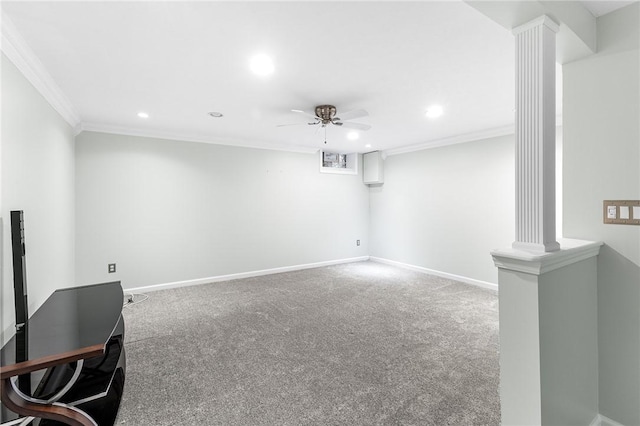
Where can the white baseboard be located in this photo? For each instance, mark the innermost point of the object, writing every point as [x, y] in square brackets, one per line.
[472, 281]
[240, 275]
[601, 420]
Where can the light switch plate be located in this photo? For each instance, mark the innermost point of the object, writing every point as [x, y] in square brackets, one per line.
[621, 212]
[624, 212]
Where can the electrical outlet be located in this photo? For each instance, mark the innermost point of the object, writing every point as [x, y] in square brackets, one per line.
[112, 268]
[357, 242]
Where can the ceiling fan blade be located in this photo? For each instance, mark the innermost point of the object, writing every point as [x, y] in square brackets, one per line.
[351, 125]
[305, 113]
[350, 115]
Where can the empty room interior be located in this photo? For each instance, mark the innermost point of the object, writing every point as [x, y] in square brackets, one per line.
[320, 212]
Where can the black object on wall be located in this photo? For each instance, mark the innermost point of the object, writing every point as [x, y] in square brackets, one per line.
[19, 267]
[20, 295]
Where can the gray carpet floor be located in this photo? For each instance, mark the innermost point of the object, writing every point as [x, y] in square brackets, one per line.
[353, 344]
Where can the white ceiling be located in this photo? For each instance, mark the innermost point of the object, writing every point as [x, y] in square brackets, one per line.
[602, 7]
[179, 60]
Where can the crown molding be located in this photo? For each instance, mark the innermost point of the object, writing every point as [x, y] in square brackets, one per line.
[21, 55]
[145, 133]
[464, 138]
[453, 140]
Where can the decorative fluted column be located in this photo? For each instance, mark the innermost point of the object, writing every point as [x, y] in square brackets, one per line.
[548, 294]
[535, 136]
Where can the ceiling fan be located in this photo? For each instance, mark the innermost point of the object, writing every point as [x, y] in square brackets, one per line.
[326, 114]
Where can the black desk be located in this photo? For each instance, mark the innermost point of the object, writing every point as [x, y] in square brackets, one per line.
[73, 347]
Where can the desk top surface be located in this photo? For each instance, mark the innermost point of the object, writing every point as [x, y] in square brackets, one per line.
[72, 324]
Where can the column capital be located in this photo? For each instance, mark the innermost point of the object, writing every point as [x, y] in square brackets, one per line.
[542, 20]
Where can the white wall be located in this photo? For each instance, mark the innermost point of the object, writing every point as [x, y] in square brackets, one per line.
[568, 320]
[37, 176]
[445, 208]
[167, 211]
[602, 161]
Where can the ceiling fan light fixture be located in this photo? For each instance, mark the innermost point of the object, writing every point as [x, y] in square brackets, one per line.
[326, 113]
[323, 115]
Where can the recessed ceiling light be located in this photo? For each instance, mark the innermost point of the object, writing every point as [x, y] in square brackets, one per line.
[143, 115]
[434, 111]
[215, 114]
[352, 136]
[368, 145]
[262, 65]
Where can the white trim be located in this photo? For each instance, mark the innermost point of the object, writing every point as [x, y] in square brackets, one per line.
[541, 20]
[571, 251]
[464, 138]
[453, 140]
[535, 247]
[18, 52]
[159, 134]
[601, 420]
[241, 275]
[467, 280]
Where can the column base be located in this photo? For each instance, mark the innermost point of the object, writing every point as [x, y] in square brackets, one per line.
[536, 248]
[548, 334]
